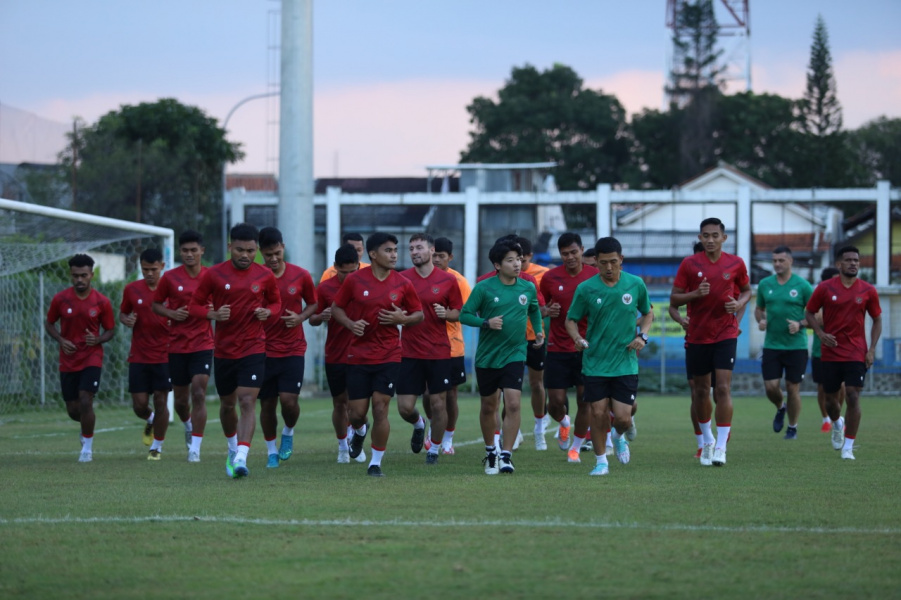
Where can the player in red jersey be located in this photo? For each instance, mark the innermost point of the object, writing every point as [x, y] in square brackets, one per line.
[190, 340]
[717, 286]
[426, 349]
[563, 367]
[82, 312]
[845, 301]
[354, 239]
[372, 303]
[337, 342]
[285, 347]
[244, 296]
[441, 258]
[148, 359]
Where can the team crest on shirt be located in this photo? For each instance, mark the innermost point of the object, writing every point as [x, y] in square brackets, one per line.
[393, 296]
[292, 290]
[255, 288]
[435, 290]
[93, 312]
[627, 299]
[793, 293]
[523, 300]
[725, 275]
[859, 300]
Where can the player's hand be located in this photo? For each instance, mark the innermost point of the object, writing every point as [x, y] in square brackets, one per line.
[291, 319]
[223, 313]
[326, 315]
[732, 305]
[829, 340]
[129, 320]
[761, 324]
[581, 344]
[68, 347]
[181, 314]
[262, 313]
[793, 326]
[440, 311]
[392, 317]
[684, 324]
[90, 339]
[871, 358]
[539, 340]
[359, 327]
[496, 322]
[553, 310]
[636, 344]
[704, 288]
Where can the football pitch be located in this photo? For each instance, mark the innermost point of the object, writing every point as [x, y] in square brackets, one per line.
[782, 519]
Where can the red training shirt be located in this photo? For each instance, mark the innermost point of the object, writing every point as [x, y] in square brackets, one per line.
[150, 334]
[295, 287]
[843, 316]
[194, 334]
[75, 316]
[557, 285]
[710, 323]
[339, 337]
[428, 339]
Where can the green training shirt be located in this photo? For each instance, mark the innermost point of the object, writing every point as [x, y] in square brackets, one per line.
[517, 303]
[781, 302]
[611, 312]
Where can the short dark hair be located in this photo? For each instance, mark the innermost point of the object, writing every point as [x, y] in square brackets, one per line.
[244, 232]
[606, 245]
[351, 236]
[698, 247]
[591, 252]
[189, 236]
[377, 239]
[828, 273]
[500, 250]
[422, 237]
[346, 255]
[525, 244]
[152, 255]
[782, 250]
[443, 244]
[81, 260]
[270, 236]
[712, 221]
[843, 249]
[568, 239]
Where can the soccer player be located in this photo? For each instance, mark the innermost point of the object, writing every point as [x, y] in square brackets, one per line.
[148, 359]
[500, 306]
[426, 355]
[589, 258]
[563, 367]
[610, 346]
[536, 355]
[845, 301]
[285, 347]
[716, 286]
[82, 313]
[190, 340]
[355, 240]
[337, 342]
[441, 258]
[372, 303]
[781, 299]
[816, 366]
[244, 296]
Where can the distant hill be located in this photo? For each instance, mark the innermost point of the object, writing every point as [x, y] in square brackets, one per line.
[26, 137]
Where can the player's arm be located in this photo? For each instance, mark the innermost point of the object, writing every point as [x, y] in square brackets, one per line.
[126, 315]
[676, 316]
[535, 316]
[679, 297]
[875, 332]
[737, 306]
[67, 346]
[107, 324]
[760, 317]
[321, 316]
[469, 315]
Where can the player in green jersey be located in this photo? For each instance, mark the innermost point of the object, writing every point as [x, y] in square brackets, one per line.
[781, 299]
[610, 346]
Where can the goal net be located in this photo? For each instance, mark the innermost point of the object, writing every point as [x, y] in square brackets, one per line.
[35, 245]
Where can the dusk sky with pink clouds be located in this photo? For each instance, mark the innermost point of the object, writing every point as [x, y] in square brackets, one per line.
[392, 78]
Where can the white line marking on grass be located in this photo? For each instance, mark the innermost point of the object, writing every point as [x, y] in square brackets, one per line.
[452, 523]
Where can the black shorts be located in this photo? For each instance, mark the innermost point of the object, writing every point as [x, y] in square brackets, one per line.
[284, 375]
[535, 356]
[563, 370]
[418, 374]
[232, 373]
[816, 369]
[458, 370]
[364, 380]
[87, 380]
[792, 362]
[507, 377]
[183, 367]
[623, 388]
[688, 372]
[702, 359]
[835, 374]
[336, 375]
[146, 378]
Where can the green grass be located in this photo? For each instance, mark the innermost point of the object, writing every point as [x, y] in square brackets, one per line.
[780, 520]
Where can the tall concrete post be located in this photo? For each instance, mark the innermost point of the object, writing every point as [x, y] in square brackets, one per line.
[295, 157]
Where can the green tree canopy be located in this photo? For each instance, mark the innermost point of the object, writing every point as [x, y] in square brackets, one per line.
[877, 146]
[549, 116]
[159, 163]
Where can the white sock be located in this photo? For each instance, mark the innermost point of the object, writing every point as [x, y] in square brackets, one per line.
[88, 445]
[189, 426]
[150, 418]
[610, 438]
[722, 436]
[539, 425]
[839, 424]
[420, 424]
[615, 434]
[289, 431]
[700, 438]
[157, 444]
[448, 440]
[376, 457]
[577, 443]
[342, 444]
[707, 433]
[601, 458]
[196, 440]
[565, 421]
[827, 420]
[241, 456]
[350, 431]
[232, 443]
[361, 431]
[497, 439]
[849, 443]
[271, 447]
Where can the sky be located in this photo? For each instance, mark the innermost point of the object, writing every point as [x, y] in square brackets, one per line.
[392, 78]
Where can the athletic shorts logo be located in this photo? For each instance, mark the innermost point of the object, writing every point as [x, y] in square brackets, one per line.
[292, 290]
[253, 377]
[298, 385]
[228, 286]
[390, 386]
[446, 381]
[793, 293]
[627, 299]
[523, 300]
[255, 288]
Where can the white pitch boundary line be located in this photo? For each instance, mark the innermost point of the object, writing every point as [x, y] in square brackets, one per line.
[450, 524]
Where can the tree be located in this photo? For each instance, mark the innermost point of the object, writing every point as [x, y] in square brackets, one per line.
[550, 116]
[877, 145]
[655, 153]
[820, 107]
[158, 163]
